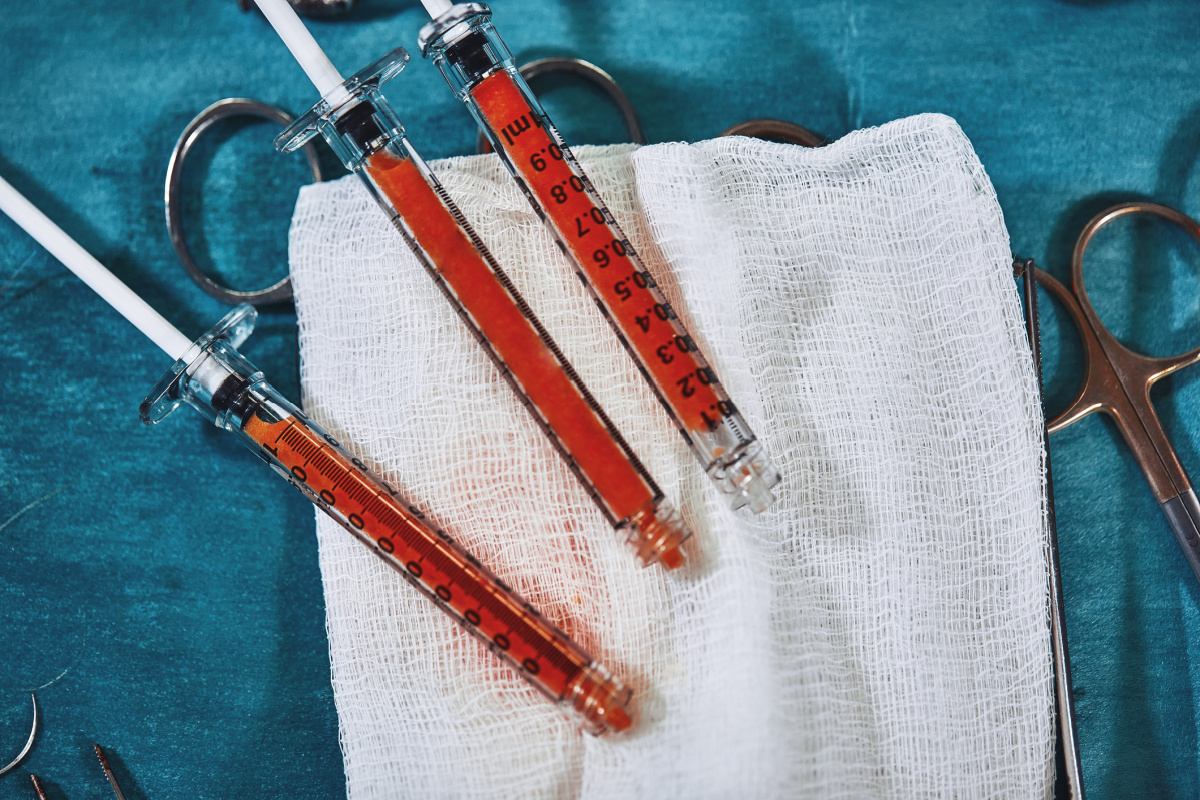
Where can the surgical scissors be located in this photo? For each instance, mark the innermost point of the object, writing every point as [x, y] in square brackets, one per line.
[1117, 382]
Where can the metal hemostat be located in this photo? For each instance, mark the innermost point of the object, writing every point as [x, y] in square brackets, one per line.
[108, 772]
[40, 790]
[1067, 761]
[1117, 382]
[280, 292]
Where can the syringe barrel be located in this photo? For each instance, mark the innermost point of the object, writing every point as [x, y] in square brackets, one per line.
[216, 380]
[465, 46]
[369, 138]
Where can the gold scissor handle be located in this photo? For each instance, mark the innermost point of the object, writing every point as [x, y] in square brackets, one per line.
[1117, 380]
[1095, 366]
[1151, 368]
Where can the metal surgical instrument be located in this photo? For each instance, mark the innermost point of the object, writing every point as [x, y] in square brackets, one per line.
[1117, 382]
[29, 743]
[108, 772]
[1067, 741]
[40, 790]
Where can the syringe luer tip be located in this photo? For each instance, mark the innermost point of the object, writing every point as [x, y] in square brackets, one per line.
[747, 476]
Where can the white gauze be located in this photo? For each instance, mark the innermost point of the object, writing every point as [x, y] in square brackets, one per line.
[881, 631]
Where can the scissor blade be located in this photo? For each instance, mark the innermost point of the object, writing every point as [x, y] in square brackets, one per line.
[1183, 512]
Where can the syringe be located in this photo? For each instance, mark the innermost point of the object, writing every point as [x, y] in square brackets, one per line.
[463, 43]
[366, 134]
[212, 377]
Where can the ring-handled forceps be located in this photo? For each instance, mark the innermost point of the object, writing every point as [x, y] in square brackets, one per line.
[1117, 382]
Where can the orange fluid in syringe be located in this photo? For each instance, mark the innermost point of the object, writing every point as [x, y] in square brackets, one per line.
[216, 380]
[479, 288]
[366, 134]
[504, 322]
[369, 508]
[602, 252]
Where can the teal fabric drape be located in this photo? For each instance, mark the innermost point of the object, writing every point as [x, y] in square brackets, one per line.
[164, 583]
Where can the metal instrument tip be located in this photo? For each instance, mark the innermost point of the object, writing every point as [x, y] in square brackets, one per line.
[108, 773]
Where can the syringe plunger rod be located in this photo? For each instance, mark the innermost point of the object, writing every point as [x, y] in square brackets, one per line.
[436, 8]
[305, 50]
[92, 272]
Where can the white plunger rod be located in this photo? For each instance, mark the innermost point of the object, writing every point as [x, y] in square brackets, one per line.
[92, 272]
[305, 50]
[436, 7]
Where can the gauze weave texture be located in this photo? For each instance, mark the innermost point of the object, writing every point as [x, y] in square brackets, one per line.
[881, 631]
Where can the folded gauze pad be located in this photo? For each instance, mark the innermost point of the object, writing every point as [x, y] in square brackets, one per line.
[880, 631]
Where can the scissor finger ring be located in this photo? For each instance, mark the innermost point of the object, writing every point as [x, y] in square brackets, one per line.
[230, 107]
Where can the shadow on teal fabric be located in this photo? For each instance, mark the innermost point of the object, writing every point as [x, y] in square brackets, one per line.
[161, 586]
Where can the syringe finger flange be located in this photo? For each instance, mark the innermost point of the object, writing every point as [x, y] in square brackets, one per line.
[366, 81]
[207, 375]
